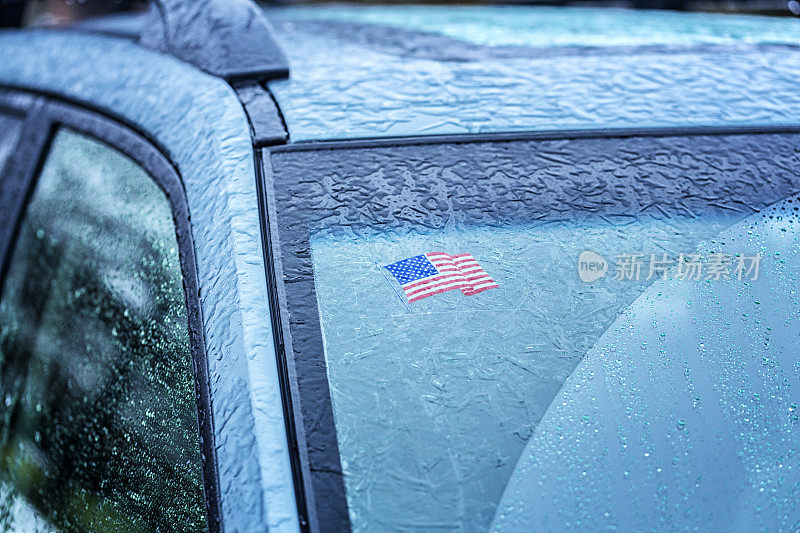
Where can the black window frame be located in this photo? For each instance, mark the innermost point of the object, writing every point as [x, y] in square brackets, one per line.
[43, 115]
[319, 480]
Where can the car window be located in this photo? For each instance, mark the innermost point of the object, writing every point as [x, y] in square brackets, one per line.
[98, 418]
[432, 399]
[10, 127]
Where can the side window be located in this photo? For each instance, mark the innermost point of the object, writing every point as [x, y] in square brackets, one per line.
[98, 417]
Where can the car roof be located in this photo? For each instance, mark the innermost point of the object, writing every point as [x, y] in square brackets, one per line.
[362, 72]
[359, 72]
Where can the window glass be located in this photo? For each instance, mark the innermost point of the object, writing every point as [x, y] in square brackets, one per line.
[98, 419]
[433, 399]
[10, 127]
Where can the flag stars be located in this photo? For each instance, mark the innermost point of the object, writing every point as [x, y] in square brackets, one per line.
[412, 269]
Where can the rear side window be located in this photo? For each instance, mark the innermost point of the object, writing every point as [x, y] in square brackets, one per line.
[98, 417]
[424, 398]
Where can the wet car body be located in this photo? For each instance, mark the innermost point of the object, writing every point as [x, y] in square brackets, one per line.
[306, 144]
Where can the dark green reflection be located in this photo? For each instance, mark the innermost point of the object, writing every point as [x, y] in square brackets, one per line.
[98, 421]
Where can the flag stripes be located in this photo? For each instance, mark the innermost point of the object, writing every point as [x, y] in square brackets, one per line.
[476, 277]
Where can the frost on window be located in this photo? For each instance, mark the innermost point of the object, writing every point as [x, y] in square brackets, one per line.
[98, 420]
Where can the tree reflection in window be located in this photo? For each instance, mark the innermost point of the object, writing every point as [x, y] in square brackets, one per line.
[98, 420]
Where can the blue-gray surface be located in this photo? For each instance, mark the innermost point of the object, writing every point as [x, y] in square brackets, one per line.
[201, 123]
[375, 72]
[684, 414]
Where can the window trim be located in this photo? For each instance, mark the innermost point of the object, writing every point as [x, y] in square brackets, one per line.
[305, 472]
[43, 117]
[20, 168]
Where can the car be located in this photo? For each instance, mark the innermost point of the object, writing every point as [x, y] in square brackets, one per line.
[400, 268]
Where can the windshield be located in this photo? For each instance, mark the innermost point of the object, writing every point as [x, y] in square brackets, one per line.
[423, 391]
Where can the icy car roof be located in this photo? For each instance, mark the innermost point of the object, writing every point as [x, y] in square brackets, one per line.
[359, 72]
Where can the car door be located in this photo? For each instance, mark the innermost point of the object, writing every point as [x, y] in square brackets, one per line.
[105, 420]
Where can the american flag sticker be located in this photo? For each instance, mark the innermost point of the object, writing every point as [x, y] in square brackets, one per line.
[434, 273]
